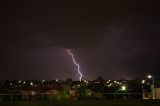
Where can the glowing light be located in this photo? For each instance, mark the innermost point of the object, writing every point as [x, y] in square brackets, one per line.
[31, 84]
[149, 76]
[78, 67]
[123, 88]
[43, 81]
[143, 81]
[110, 85]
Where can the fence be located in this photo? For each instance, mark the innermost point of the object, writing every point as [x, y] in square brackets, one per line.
[123, 95]
[50, 96]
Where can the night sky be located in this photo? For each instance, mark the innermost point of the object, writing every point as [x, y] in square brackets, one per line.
[114, 39]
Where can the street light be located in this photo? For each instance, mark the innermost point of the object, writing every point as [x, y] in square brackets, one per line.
[151, 77]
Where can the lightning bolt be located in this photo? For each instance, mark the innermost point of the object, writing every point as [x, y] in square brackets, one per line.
[74, 61]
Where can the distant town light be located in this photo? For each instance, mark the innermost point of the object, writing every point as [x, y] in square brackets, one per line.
[97, 82]
[85, 81]
[19, 81]
[119, 83]
[31, 84]
[43, 81]
[123, 88]
[110, 85]
[24, 82]
[57, 80]
[143, 81]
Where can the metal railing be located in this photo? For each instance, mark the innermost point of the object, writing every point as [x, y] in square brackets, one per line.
[50, 96]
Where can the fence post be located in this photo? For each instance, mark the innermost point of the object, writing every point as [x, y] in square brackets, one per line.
[11, 98]
[42, 96]
[114, 96]
[129, 96]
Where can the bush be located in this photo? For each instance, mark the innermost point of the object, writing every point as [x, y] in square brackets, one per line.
[62, 95]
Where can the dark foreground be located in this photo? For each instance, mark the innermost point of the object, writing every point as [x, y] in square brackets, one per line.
[85, 103]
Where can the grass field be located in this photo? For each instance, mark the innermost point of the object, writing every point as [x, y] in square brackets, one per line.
[86, 103]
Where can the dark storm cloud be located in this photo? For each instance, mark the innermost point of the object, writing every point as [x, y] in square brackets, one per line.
[69, 24]
[118, 36]
[67, 27]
